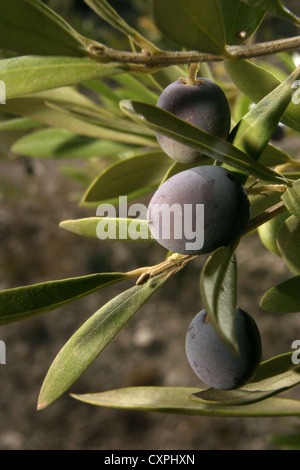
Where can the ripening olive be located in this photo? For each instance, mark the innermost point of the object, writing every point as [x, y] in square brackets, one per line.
[202, 104]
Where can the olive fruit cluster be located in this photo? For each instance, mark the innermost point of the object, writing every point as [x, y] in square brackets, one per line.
[212, 360]
[206, 207]
[197, 211]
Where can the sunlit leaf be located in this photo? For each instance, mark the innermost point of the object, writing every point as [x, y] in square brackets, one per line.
[288, 242]
[30, 74]
[218, 284]
[276, 375]
[256, 82]
[92, 337]
[291, 198]
[125, 229]
[176, 400]
[24, 302]
[284, 297]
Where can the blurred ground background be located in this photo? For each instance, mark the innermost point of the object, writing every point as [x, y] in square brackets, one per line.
[35, 198]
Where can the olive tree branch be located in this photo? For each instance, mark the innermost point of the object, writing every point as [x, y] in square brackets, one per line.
[166, 58]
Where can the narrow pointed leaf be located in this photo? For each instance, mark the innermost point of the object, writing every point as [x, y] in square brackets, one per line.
[91, 338]
[276, 375]
[128, 176]
[176, 400]
[29, 74]
[255, 129]
[291, 199]
[109, 228]
[288, 242]
[40, 109]
[109, 14]
[218, 286]
[30, 27]
[24, 302]
[61, 143]
[196, 24]
[16, 124]
[168, 124]
[284, 297]
[256, 82]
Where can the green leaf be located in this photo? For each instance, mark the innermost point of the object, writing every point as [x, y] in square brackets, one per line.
[256, 82]
[107, 12]
[218, 287]
[255, 129]
[170, 125]
[274, 376]
[273, 156]
[16, 124]
[291, 198]
[61, 143]
[176, 400]
[128, 176]
[29, 74]
[288, 242]
[240, 20]
[196, 24]
[274, 7]
[40, 108]
[283, 298]
[24, 302]
[30, 27]
[92, 337]
[103, 228]
[269, 230]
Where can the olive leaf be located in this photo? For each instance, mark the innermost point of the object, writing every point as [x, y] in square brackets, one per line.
[137, 174]
[196, 24]
[170, 125]
[256, 82]
[218, 287]
[284, 297]
[240, 20]
[27, 301]
[110, 228]
[30, 74]
[176, 400]
[92, 337]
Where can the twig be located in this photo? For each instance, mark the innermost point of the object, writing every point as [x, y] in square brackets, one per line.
[166, 58]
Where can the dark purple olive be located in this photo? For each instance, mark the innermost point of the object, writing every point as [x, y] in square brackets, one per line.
[199, 210]
[212, 360]
[203, 104]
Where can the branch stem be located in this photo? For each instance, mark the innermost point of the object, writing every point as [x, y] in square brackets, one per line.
[166, 58]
